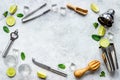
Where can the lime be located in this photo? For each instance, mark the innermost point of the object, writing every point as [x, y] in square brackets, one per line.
[41, 75]
[104, 42]
[10, 21]
[94, 7]
[12, 9]
[11, 72]
[101, 31]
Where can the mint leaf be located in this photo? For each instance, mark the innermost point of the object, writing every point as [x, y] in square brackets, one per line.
[102, 74]
[96, 37]
[95, 24]
[6, 29]
[5, 13]
[20, 15]
[62, 66]
[22, 55]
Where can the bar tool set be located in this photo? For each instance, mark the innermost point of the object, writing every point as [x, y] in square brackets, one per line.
[109, 53]
[92, 66]
[109, 57]
[107, 18]
[48, 68]
[13, 37]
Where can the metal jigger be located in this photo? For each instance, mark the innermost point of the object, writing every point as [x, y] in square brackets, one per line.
[107, 18]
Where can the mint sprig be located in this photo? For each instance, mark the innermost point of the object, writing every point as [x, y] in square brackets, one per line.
[22, 55]
[102, 74]
[20, 15]
[6, 29]
[95, 24]
[62, 66]
[5, 13]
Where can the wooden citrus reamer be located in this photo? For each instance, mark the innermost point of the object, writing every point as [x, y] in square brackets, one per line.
[92, 66]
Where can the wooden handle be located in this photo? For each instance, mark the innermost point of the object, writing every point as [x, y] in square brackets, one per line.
[80, 72]
[71, 6]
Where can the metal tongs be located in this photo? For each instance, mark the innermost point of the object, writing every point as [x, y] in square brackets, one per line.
[110, 58]
[24, 19]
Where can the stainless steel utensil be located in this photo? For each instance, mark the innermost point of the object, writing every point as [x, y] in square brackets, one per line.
[13, 37]
[48, 68]
[24, 19]
[110, 58]
[107, 18]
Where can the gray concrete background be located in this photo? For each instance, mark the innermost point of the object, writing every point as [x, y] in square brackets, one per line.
[53, 39]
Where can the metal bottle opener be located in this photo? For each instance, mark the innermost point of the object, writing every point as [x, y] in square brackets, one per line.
[110, 58]
[13, 37]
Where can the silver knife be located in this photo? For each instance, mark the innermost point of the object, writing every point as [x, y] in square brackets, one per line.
[48, 68]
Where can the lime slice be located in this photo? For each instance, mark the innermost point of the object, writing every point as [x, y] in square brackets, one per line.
[101, 31]
[41, 75]
[104, 42]
[94, 7]
[11, 72]
[12, 9]
[10, 21]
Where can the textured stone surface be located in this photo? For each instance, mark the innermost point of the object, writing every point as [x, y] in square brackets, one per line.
[54, 39]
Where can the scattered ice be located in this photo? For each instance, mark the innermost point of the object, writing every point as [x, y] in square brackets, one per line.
[24, 70]
[26, 9]
[54, 8]
[72, 66]
[63, 11]
[11, 61]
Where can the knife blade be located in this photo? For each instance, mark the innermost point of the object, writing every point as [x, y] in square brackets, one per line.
[48, 68]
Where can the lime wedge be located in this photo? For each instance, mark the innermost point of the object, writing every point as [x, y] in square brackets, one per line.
[10, 21]
[94, 7]
[41, 75]
[101, 31]
[12, 9]
[11, 72]
[104, 42]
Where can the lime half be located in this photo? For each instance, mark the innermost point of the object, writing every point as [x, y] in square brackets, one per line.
[10, 21]
[11, 72]
[104, 42]
[94, 7]
[41, 75]
[12, 9]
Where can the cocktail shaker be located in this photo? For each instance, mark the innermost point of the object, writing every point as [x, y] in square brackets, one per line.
[107, 18]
